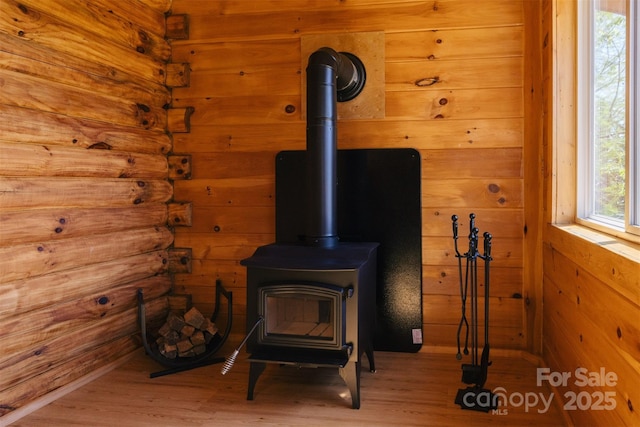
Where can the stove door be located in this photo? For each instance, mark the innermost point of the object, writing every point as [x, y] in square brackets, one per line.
[302, 315]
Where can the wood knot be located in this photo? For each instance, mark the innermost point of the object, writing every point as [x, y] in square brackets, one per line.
[99, 146]
[427, 81]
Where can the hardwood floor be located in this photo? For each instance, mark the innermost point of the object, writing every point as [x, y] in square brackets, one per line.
[407, 390]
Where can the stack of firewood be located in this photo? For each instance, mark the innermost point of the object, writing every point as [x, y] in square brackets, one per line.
[185, 336]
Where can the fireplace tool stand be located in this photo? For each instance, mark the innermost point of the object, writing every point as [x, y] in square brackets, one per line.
[181, 364]
[474, 397]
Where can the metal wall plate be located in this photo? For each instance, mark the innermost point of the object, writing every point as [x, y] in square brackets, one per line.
[369, 48]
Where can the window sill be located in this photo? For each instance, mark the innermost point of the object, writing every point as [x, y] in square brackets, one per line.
[614, 244]
[602, 229]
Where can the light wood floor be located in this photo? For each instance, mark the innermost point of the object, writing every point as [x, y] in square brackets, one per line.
[407, 390]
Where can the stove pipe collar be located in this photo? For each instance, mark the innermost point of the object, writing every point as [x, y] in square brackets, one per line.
[350, 71]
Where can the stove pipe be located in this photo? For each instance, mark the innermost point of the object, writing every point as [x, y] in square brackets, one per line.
[331, 77]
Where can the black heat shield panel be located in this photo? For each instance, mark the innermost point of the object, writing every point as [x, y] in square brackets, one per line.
[378, 201]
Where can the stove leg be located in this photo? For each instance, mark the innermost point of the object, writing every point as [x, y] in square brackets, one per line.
[255, 370]
[351, 376]
[372, 362]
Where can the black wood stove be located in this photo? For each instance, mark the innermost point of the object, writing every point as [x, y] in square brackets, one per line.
[318, 307]
[316, 297]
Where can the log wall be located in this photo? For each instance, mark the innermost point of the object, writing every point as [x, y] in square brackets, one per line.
[83, 186]
[453, 89]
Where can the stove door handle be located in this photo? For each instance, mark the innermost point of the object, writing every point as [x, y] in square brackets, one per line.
[347, 292]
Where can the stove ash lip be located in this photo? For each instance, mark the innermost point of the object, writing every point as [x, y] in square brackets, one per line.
[331, 77]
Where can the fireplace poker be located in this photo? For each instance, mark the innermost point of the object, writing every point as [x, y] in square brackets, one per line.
[484, 361]
[228, 364]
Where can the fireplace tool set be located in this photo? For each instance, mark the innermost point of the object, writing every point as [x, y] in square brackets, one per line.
[474, 373]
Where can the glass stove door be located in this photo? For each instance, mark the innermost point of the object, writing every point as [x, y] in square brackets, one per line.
[300, 316]
[305, 315]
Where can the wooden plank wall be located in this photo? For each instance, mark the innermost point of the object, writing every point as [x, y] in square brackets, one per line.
[245, 72]
[591, 281]
[83, 186]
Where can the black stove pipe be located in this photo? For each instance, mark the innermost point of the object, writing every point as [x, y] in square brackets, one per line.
[331, 77]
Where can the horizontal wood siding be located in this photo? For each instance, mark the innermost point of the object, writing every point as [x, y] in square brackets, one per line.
[83, 187]
[591, 322]
[453, 90]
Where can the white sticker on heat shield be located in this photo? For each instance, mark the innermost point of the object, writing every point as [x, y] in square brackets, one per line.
[417, 336]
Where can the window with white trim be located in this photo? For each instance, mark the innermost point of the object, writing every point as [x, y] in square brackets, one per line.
[608, 162]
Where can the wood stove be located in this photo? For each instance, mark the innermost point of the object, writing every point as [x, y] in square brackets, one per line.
[318, 306]
[316, 297]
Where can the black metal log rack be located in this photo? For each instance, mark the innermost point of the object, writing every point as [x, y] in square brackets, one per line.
[180, 364]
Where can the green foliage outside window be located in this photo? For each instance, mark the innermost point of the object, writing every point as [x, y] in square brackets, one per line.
[610, 115]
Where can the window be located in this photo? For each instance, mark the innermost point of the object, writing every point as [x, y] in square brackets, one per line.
[608, 115]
